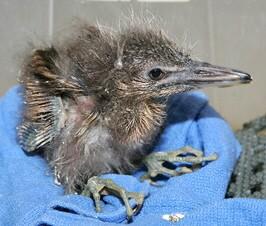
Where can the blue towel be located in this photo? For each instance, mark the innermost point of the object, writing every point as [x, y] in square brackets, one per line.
[28, 195]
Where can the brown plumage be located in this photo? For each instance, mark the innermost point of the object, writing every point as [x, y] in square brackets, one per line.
[96, 102]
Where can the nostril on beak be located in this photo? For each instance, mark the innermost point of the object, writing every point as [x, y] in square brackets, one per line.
[199, 72]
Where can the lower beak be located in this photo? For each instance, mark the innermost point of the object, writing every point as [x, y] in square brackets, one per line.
[203, 74]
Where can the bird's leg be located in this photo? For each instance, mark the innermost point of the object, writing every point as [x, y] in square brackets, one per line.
[187, 155]
[97, 186]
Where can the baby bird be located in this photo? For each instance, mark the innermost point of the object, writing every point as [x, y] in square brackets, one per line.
[95, 103]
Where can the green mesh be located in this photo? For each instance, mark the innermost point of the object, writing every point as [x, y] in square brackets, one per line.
[249, 176]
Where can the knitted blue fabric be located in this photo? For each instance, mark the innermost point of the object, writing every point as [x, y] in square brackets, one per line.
[28, 195]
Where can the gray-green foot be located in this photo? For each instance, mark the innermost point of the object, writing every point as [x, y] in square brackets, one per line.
[154, 162]
[97, 186]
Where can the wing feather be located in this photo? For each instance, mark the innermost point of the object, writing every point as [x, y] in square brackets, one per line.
[43, 92]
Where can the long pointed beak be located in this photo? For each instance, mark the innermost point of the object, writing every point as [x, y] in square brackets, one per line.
[201, 74]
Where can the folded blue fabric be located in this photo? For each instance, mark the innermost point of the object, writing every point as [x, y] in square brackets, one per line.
[28, 195]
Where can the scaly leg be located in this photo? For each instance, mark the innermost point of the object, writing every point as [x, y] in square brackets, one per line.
[97, 186]
[154, 162]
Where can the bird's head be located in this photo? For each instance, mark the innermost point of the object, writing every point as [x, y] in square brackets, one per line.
[132, 72]
[143, 63]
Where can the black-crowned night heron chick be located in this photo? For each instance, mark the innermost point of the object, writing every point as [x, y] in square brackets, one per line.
[95, 103]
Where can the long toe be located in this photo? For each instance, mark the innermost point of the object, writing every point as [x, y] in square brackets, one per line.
[96, 187]
[190, 158]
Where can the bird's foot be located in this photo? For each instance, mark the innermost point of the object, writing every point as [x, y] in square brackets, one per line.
[187, 155]
[97, 186]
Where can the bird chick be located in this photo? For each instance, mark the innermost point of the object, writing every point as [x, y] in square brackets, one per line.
[95, 103]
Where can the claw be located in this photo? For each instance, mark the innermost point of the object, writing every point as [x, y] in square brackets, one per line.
[96, 187]
[154, 162]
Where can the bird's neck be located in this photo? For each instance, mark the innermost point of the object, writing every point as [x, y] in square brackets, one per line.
[137, 122]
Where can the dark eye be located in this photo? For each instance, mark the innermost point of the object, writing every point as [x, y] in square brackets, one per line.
[156, 74]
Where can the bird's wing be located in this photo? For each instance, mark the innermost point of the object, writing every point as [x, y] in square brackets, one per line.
[44, 91]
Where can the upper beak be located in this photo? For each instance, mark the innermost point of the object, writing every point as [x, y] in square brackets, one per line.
[201, 74]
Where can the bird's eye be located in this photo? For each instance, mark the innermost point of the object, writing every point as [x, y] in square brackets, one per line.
[156, 74]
